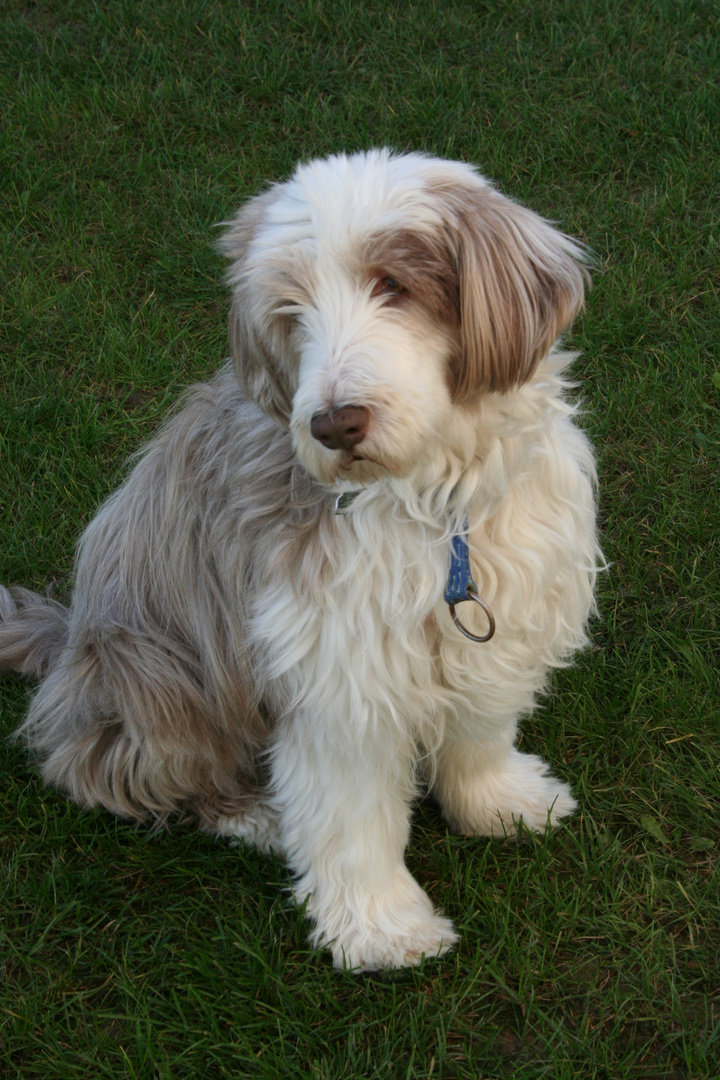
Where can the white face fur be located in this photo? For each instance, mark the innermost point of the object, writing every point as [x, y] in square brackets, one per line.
[402, 285]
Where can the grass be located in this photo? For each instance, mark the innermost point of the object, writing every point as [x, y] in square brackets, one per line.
[127, 131]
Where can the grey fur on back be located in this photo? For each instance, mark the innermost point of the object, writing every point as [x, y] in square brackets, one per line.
[149, 700]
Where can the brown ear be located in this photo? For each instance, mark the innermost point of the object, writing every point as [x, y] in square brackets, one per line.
[520, 284]
[255, 342]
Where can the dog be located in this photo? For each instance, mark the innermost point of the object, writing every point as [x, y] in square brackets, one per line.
[264, 632]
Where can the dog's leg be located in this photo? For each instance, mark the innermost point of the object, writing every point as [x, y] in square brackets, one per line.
[485, 785]
[344, 801]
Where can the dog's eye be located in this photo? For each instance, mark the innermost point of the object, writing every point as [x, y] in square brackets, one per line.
[389, 286]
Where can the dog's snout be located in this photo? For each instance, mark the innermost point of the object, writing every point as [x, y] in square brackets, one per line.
[341, 428]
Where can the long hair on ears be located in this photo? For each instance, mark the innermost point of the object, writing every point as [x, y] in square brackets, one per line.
[258, 339]
[520, 284]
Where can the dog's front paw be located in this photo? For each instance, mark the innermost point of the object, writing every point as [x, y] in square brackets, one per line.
[400, 941]
[375, 949]
[491, 801]
[391, 930]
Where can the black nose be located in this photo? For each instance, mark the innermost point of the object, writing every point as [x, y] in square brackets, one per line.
[341, 428]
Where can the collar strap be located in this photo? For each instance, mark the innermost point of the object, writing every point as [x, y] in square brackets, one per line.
[345, 499]
[460, 585]
[460, 577]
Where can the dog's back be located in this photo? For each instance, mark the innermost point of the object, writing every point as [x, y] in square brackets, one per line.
[145, 704]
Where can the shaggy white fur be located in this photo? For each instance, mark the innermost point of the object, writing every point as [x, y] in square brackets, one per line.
[290, 676]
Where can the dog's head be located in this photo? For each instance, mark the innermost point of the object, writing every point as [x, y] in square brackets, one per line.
[375, 294]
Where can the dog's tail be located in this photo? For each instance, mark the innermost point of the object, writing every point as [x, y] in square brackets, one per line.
[33, 631]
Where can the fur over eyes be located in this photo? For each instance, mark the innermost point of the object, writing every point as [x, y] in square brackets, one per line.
[237, 652]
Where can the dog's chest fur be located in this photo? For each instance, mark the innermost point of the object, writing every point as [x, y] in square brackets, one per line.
[349, 607]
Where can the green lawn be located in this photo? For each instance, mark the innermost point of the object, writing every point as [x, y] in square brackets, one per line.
[127, 131]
